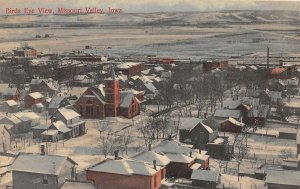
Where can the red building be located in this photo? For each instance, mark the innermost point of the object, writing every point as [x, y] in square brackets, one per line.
[25, 52]
[181, 158]
[232, 125]
[125, 174]
[211, 65]
[33, 98]
[131, 68]
[107, 101]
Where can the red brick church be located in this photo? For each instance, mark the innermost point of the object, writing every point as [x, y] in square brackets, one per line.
[107, 101]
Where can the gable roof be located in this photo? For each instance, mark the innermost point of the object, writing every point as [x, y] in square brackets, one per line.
[42, 164]
[98, 94]
[124, 167]
[188, 123]
[61, 126]
[149, 156]
[10, 91]
[67, 113]
[36, 95]
[11, 103]
[224, 113]
[235, 122]
[12, 118]
[55, 101]
[126, 98]
[27, 116]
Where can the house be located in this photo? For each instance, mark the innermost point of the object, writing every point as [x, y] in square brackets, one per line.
[205, 179]
[33, 98]
[129, 104]
[232, 125]
[107, 101]
[131, 68]
[283, 179]
[82, 81]
[125, 174]
[47, 87]
[71, 119]
[222, 114]
[6, 137]
[3, 88]
[193, 131]
[29, 119]
[25, 51]
[42, 171]
[38, 130]
[181, 158]
[10, 106]
[270, 97]
[38, 108]
[56, 103]
[77, 185]
[220, 149]
[17, 125]
[258, 115]
[11, 93]
[203, 159]
[57, 131]
[149, 156]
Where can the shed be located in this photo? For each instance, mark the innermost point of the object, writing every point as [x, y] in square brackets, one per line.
[205, 178]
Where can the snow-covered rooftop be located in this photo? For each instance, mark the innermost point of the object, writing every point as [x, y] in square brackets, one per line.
[36, 95]
[205, 175]
[36, 163]
[149, 156]
[125, 167]
[68, 113]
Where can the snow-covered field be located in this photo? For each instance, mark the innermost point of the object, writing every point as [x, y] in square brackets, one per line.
[185, 35]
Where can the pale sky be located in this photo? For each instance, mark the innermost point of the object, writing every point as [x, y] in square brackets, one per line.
[155, 5]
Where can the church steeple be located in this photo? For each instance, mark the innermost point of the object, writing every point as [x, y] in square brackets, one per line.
[112, 93]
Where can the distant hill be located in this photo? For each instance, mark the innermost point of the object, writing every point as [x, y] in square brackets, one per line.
[178, 18]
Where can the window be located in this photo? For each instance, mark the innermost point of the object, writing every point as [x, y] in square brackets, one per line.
[45, 179]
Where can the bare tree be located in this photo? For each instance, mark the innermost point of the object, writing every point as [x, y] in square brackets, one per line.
[107, 139]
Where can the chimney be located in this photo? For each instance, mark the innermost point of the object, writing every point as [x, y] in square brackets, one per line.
[199, 151]
[149, 147]
[154, 164]
[116, 152]
[191, 153]
[43, 149]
